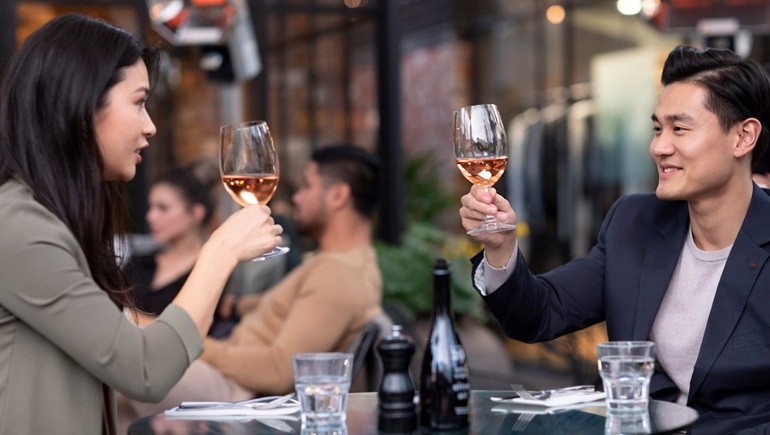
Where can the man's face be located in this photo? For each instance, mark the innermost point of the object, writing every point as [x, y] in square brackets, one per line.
[309, 203]
[694, 156]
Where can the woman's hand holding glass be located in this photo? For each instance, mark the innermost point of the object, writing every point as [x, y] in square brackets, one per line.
[248, 233]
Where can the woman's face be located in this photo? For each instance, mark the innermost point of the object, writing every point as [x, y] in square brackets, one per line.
[170, 216]
[123, 125]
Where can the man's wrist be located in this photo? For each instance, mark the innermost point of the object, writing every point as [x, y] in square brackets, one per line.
[499, 257]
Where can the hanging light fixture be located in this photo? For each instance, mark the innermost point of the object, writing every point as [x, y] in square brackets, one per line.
[193, 22]
[221, 28]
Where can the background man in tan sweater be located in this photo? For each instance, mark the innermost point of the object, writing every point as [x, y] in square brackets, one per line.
[320, 306]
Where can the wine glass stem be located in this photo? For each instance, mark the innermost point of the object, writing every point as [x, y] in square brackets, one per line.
[489, 218]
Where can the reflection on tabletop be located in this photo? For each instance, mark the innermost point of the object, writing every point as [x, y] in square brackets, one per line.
[628, 423]
[553, 424]
[488, 417]
[161, 425]
[334, 430]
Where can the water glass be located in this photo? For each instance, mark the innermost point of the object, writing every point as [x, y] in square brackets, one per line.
[322, 381]
[626, 368]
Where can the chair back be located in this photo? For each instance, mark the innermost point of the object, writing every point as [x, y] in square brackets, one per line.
[367, 367]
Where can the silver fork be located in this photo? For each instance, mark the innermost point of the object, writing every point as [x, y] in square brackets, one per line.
[522, 392]
[547, 394]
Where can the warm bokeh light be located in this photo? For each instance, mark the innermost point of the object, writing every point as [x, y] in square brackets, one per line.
[650, 8]
[629, 7]
[555, 14]
[355, 3]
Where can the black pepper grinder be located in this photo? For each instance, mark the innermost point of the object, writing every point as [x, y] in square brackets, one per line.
[397, 413]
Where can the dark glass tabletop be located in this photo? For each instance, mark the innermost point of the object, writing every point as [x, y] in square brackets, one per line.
[487, 418]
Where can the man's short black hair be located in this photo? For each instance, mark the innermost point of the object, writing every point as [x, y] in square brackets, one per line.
[354, 166]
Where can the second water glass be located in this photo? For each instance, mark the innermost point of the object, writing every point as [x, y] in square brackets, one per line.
[626, 369]
[322, 381]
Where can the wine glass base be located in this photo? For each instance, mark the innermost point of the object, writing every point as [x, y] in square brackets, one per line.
[491, 227]
[279, 250]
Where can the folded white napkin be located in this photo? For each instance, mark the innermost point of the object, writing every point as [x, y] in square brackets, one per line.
[563, 399]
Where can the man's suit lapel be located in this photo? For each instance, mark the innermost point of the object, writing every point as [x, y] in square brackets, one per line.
[660, 259]
[746, 260]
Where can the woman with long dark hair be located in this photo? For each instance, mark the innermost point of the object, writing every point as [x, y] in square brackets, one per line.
[181, 206]
[73, 124]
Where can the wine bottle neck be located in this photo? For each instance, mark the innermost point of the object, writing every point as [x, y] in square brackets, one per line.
[442, 299]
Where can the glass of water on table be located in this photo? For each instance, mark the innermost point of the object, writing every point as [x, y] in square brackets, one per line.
[626, 368]
[322, 381]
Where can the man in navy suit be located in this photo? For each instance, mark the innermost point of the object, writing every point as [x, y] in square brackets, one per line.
[685, 267]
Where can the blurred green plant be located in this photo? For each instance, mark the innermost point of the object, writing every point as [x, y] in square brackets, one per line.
[407, 268]
[426, 194]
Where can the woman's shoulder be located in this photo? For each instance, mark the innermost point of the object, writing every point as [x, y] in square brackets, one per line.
[22, 216]
[17, 203]
[14, 189]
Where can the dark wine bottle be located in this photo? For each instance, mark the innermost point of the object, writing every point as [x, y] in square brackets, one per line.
[444, 378]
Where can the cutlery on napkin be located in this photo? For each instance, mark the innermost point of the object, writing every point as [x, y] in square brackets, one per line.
[262, 407]
[230, 411]
[557, 398]
[267, 402]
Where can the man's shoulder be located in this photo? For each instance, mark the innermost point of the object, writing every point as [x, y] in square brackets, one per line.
[646, 209]
[355, 258]
[646, 199]
[357, 265]
[648, 202]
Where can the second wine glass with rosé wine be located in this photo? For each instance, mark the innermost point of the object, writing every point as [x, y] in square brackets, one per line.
[481, 153]
[248, 164]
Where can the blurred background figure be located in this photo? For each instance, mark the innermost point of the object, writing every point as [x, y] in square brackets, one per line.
[180, 207]
[181, 210]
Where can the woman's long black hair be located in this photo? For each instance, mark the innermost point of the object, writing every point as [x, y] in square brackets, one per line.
[52, 89]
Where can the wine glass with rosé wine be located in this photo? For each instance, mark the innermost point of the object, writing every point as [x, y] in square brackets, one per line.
[249, 167]
[481, 153]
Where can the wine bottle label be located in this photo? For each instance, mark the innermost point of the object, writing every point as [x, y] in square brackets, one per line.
[457, 353]
[460, 385]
